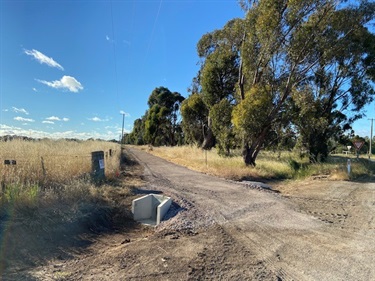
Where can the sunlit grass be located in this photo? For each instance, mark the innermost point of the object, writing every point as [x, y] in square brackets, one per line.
[49, 161]
[270, 165]
[49, 164]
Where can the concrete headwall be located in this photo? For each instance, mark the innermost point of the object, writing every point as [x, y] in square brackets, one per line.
[151, 208]
[163, 209]
[142, 208]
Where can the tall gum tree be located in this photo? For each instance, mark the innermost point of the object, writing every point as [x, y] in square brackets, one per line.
[161, 121]
[289, 46]
[218, 51]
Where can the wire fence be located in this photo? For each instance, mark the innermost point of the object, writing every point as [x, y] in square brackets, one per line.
[50, 169]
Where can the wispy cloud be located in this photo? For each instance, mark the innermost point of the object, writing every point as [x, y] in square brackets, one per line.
[66, 82]
[48, 122]
[55, 118]
[18, 118]
[20, 110]
[12, 130]
[42, 58]
[107, 38]
[35, 90]
[96, 119]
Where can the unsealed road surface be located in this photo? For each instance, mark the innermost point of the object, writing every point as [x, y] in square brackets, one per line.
[326, 235]
[223, 230]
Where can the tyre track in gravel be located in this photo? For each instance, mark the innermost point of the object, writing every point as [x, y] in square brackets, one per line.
[290, 239]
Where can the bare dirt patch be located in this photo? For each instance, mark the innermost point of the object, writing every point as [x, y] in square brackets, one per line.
[223, 230]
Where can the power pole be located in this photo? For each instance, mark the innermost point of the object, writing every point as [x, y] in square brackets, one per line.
[122, 132]
[370, 151]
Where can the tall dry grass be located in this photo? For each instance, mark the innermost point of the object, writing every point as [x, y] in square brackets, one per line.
[50, 161]
[43, 209]
[270, 165]
[47, 164]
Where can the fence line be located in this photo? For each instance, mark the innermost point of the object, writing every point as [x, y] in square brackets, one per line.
[48, 167]
[109, 153]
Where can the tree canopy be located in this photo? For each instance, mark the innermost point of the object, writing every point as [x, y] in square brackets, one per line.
[160, 125]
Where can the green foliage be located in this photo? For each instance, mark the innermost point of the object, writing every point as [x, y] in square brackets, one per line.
[160, 124]
[222, 127]
[219, 76]
[137, 135]
[316, 48]
[18, 192]
[250, 115]
[164, 97]
[194, 113]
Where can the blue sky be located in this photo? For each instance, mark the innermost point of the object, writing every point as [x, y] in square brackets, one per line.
[69, 68]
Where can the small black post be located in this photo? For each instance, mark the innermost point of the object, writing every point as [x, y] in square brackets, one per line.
[97, 166]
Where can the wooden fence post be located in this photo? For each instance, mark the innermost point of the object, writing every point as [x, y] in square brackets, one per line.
[97, 165]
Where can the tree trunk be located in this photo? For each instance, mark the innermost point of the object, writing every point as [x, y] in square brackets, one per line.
[318, 148]
[209, 138]
[249, 155]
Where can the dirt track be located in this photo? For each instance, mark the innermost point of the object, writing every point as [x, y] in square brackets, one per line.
[222, 230]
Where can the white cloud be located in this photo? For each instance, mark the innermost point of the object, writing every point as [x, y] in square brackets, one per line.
[35, 90]
[5, 110]
[48, 122]
[42, 58]
[107, 38]
[20, 110]
[12, 130]
[23, 119]
[96, 119]
[66, 82]
[55, 118]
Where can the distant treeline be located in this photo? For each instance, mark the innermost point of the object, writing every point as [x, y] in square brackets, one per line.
[24, 138]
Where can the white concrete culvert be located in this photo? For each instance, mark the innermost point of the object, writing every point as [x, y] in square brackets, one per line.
[150, 209]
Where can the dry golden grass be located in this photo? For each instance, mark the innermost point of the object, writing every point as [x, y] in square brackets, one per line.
[50, 162]
[270, 165]
[50, 173]
[227, 167]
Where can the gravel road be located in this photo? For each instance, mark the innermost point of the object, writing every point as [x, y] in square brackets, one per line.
[225, 230]
[321, 230]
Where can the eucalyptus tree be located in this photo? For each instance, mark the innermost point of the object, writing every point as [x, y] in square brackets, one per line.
[161, 123]
[137, 135]
[218, 77]
[194, 114]
[317, 54]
